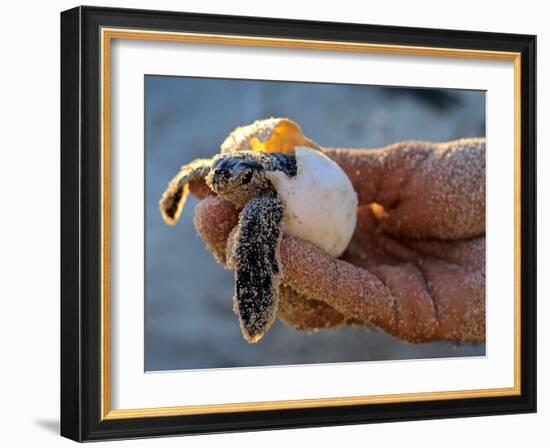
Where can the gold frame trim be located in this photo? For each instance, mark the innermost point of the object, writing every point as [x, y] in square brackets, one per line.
[107, 35]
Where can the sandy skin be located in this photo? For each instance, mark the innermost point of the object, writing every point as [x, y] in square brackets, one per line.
[416, 264]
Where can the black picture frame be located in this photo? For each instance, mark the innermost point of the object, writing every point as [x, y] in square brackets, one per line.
[81, 224]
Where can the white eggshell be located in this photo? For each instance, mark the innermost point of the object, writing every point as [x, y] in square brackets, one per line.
[320, 202]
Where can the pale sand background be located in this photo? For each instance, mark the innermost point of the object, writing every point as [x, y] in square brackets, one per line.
[189, 322]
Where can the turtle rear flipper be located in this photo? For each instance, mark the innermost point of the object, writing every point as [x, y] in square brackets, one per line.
[173, 199]
[256, 261]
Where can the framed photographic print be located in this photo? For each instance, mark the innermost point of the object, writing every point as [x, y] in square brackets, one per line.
[273, 223]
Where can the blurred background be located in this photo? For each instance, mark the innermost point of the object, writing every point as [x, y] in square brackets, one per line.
[189, 319]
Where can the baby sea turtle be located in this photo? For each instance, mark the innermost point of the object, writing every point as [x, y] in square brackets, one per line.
[284, 184]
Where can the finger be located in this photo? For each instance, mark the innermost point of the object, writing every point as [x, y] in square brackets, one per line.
[417, 319]
[304, 314]
[428, 190]
[459, 296]
[214, 219]
[406, 301]
[351, 291]
[199, 189]
[469, 253]
[437, 300]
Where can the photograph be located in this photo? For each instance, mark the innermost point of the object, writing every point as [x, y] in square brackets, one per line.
[291, 223]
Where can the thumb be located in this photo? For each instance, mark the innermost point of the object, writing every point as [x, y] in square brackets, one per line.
[214, 218]
[352, 291]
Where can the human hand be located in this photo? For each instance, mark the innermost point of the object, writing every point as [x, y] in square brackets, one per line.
[416, 264]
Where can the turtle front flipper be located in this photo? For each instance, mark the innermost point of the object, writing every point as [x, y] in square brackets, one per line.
[173, 199]
[255, 258]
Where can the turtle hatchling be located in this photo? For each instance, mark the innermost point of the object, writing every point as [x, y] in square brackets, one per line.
[283, 184]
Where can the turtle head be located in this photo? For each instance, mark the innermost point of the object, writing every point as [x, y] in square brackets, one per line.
[239, 176]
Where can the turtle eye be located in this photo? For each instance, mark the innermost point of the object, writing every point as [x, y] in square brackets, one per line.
[247, 177]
